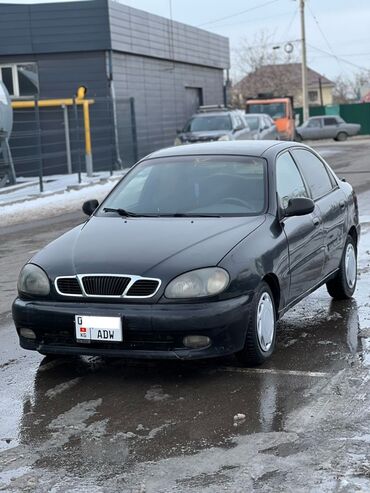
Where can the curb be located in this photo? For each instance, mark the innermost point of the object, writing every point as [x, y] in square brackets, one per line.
[69, 188]
[19, 186]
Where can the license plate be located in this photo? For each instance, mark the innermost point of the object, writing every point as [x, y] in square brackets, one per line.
[106, 329]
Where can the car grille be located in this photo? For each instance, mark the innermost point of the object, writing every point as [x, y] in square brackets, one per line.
[144, 287]
[69, 285]
[107, 286]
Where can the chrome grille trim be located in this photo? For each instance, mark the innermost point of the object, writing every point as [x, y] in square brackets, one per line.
[133, 280]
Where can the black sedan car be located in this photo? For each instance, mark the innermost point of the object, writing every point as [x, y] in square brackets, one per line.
[196, 253]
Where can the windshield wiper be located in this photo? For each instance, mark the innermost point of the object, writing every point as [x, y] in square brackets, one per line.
[124, 213]
[184, 214]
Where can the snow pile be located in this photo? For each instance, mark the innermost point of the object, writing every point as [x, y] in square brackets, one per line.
[52, 205]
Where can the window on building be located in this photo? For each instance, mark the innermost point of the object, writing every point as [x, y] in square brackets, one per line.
[20, 79]
[313, 96]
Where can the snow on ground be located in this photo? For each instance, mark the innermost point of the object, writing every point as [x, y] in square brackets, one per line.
[52, 205]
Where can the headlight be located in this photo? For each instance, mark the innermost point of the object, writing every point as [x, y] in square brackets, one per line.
[225, 137]
[33, 280]
[178, 142]
[198, 283]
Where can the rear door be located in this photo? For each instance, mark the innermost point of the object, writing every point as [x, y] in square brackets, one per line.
[330, 200]
[330, 128]
[304, 233]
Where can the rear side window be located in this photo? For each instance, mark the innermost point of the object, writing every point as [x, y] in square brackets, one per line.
[289, 183]
[330, 121]
[314, 172]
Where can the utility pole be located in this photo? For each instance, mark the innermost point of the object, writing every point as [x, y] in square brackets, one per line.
[304, 64]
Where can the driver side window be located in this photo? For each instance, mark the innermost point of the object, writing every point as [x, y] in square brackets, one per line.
[289, 183]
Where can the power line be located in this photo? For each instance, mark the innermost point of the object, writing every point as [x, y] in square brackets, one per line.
[249, 21]
[338, 58]
[238, 13]
[323, 35]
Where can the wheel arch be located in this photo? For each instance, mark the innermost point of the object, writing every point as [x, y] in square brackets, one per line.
[273, 282]
[353, 234]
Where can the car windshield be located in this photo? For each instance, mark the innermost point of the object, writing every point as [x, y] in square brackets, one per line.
[206, 123]
[191, 186]
[275, 110]
[253, 122]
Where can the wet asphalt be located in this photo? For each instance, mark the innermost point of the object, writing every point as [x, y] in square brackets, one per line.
[100, 425]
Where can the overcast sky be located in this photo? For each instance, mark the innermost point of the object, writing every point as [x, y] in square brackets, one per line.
[338, 27]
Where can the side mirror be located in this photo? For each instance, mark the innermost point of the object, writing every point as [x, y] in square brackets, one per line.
[178, 131]
[89, 206]
[299, 207]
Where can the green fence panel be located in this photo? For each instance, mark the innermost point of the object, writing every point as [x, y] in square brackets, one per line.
[357, 113]
[313, 111]
[332, 109]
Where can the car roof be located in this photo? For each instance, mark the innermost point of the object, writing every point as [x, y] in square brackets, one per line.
[212, 113]
[235, 147]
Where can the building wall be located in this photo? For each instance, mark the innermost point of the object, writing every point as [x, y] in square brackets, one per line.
[141, 33]
[155, 60]
[327, 95]
[54, 27]
[159, 89]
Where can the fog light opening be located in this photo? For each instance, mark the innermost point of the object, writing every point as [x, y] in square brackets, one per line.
[27, 333]
[196, 342]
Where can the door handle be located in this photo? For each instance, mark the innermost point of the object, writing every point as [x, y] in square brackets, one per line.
[342, 204]
[316, 221]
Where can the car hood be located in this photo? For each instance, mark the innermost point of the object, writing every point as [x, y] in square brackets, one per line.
[152, 247]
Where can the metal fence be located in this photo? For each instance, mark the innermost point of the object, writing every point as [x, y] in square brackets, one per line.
[52, 140]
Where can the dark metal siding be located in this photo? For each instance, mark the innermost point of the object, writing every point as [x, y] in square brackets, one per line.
[159, 89]
[138, 32]
[60, 75]
[54, 27]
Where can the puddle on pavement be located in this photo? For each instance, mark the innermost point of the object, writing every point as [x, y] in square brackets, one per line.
[117, 413]
[90, 416]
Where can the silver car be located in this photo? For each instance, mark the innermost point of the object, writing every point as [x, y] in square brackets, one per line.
[262, 126]
[214, 123]
[326, 127]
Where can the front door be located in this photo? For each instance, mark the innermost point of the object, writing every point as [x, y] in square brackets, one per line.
[304, 234]
[331, 202]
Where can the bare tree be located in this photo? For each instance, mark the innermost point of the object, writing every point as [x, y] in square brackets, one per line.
[348, 88]
[250, 57]
[253, 53]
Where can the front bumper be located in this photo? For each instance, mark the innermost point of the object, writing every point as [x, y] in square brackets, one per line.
[149, 331]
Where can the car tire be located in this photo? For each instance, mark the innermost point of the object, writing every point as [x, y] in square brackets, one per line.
[341, 137]
[343, 285]
[297, 137]
[260, 340]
